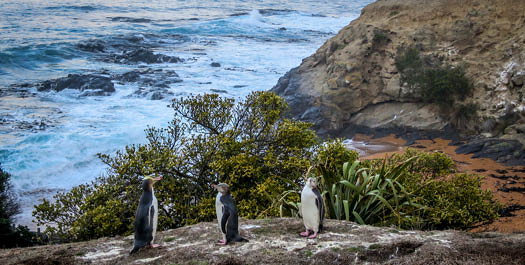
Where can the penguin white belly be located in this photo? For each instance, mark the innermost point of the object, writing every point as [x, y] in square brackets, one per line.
[309, 210]
[218, 209]
[155, 205]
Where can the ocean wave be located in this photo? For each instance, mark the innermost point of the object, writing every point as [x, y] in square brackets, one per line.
[31, 56]
[86, 8]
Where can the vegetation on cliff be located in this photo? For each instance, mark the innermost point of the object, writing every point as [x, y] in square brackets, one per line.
[249, 145]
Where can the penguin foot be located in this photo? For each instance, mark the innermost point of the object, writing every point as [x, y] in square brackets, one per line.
[222, 242]
[306, 233]
[313, 236]
[155, 245]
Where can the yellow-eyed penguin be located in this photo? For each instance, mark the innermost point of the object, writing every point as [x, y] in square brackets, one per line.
[312, 208]
[227, 215]
[147, 216]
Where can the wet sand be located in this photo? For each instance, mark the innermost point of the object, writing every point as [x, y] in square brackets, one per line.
[506, 182]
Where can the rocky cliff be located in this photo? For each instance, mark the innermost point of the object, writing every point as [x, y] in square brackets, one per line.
[351, 84]
[277, 241]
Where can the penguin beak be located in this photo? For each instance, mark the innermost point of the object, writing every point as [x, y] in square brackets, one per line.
[157, 178]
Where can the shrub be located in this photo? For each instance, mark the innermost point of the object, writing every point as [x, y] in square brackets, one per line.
[330, 156]
[380, 36]
[247, 144]
[367, 198]
[457, 202]
[451, 200]
[437, 84]
[465, 116]
[445, 85]
[11, 236]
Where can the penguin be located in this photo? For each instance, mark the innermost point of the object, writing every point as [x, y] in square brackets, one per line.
[227, 215]
[147, 216]
[312, 208]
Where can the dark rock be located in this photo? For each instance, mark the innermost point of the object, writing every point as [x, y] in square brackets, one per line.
[157, 96]
[91, 85]
[512, 189]
[282, 28]
[510, 152]
[150, 78]
[509, 210]
[152, 93]
[131, 20]
[92, 45]
[215, 64]
[142, 55]
[219, 91]
[132, 76]
[504, 177]
[239, 86]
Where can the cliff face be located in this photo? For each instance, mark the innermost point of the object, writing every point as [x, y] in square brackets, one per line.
[351, 83]
[277, 241]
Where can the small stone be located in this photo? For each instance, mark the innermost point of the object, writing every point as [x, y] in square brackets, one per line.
[215, 64]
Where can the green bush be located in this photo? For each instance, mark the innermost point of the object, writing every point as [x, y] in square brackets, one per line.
[247, 144]
[457, 202]
[11, 236]
[438, 84]
[371, 198]
[451, 200]
[330, 156]
[445, 85]
[465, 116]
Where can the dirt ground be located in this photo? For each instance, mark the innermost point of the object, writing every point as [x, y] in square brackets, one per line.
[277, 241]
[506, 182]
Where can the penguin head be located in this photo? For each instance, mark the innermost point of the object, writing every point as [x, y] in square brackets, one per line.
[149, 180]
[222, 188]
[311, 183]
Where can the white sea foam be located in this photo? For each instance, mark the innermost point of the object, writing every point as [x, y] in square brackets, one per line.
[254, 50]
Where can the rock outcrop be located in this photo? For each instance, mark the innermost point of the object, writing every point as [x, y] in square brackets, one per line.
[89, 85]
[351, 84]
[277, 241]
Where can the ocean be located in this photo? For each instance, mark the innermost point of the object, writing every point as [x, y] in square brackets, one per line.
[151, 51]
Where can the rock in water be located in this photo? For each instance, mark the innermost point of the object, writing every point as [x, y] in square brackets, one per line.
[142, 55]
[90, 85]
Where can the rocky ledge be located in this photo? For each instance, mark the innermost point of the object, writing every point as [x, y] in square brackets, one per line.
[276, 241]
[352, 85]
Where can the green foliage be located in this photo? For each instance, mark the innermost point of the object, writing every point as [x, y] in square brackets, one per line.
[451, 200]
[445, 85]
[330, 156]
[11, 236]
[438, 84]
[457, 202]
[247, 144]
[8, 205]
[465, 116]
[371, 198]
[379, 36]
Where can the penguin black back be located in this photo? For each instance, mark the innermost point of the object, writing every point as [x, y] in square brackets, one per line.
[144, 217]
[320, 205]
[230, 219]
